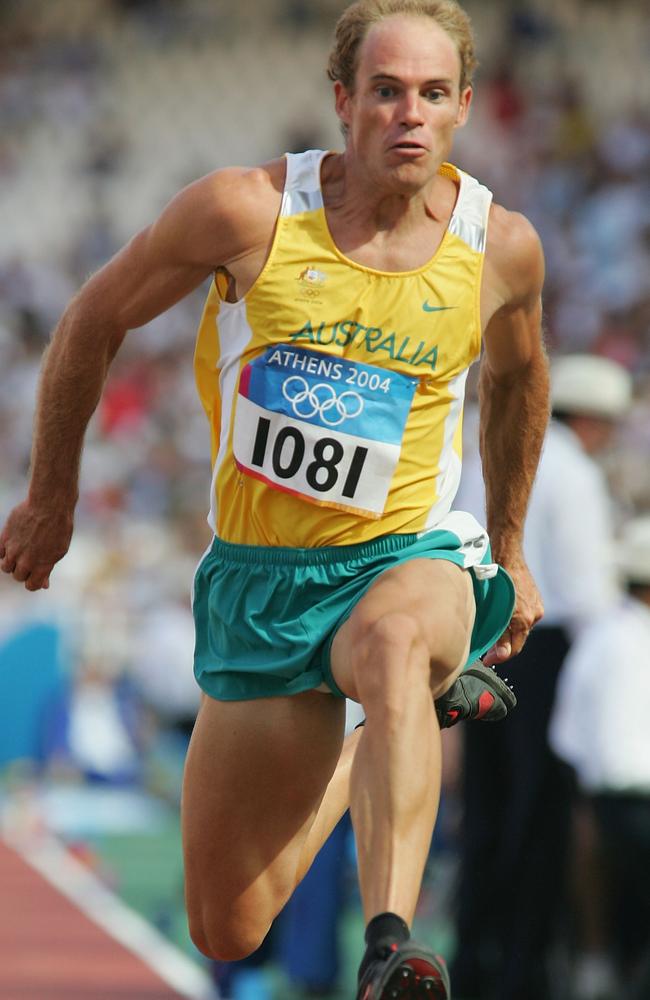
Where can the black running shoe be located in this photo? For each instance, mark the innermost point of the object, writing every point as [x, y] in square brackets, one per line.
[478, 693]
[408, 972]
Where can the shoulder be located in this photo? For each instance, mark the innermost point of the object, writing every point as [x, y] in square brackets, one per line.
[229, 212]
[243, 191]
[513, 257]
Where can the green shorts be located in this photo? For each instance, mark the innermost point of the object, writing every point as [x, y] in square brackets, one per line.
[265, 617]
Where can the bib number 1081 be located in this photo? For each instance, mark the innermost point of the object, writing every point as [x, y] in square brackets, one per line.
[289, 451]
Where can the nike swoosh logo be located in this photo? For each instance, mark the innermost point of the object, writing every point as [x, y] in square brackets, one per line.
[435, 309]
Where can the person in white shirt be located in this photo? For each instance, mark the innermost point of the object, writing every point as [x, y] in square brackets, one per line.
[516, 793]
[600, 727]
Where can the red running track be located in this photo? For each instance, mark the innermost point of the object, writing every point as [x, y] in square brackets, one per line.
[50, 950]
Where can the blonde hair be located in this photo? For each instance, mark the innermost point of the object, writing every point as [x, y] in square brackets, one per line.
[354, 23]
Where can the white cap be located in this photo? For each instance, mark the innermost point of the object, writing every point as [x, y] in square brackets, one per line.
[590, 385]
[634, 550]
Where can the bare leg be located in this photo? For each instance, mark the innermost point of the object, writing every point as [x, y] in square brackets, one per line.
[256, 775]
[335, 802]
[394, 815]
[393, 661]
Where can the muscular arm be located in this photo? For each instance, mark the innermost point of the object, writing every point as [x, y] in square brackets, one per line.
[222, 220]
[513, 392]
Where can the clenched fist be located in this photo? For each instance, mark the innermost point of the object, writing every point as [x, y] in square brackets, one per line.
[33, 539]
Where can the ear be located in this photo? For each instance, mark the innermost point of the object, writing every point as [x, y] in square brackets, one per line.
[463, 107]
[342, 102]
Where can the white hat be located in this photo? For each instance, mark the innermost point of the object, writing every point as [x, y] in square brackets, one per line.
[590, 385]
[634, 550]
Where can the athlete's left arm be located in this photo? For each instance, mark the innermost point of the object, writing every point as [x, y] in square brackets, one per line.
[514, 403]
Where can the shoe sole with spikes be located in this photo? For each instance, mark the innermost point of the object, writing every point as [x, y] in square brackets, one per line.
[477, 694]
[411, 972]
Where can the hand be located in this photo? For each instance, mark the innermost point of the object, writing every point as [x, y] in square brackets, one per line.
[32, 541]
[529, 609]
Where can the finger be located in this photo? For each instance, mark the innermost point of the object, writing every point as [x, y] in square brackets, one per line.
[490, 658]
[21, 572]
[518, 642]
[520, 632]
[501, 650]
[39, 578]
[8, 564]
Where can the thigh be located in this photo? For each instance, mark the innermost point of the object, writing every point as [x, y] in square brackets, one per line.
[255, 774]
[436, 593]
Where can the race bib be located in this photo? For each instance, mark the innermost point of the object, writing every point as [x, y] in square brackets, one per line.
[327, 429]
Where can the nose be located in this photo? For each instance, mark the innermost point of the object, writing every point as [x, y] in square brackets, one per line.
[411, 110]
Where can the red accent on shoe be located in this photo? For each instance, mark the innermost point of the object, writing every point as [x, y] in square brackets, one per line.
[394, 946]
[453, 714]
[422, 968]
[485, 703]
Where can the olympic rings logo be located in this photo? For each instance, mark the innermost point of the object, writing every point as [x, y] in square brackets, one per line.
[321, 399]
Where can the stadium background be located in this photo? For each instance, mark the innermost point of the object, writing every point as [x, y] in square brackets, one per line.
[107, 108]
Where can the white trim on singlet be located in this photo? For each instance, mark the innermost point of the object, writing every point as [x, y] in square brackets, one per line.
[235, 333]
[469, 220]
[302, 190]
[449, 461]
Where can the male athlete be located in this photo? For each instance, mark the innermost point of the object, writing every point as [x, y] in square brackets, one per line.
[352, 291]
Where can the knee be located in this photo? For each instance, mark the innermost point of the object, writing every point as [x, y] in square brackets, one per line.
[395, 659]
[226, 926]
[226, 940]
[391, 653]
[393, 632]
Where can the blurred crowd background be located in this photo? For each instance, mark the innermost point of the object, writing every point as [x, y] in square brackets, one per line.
[107, 108]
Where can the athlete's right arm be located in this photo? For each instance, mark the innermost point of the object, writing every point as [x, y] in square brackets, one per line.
[224, 219]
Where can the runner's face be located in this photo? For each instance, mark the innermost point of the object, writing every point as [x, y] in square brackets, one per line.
[406, 103]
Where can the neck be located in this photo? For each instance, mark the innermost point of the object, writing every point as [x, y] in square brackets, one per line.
[371, 202]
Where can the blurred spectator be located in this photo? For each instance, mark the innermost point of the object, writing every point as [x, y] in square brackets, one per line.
[162, 664]
[600, 727]
[33, 672]
[516, 793]
[94, 729]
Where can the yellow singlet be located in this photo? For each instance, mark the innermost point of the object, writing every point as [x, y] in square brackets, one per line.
[335, 391]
